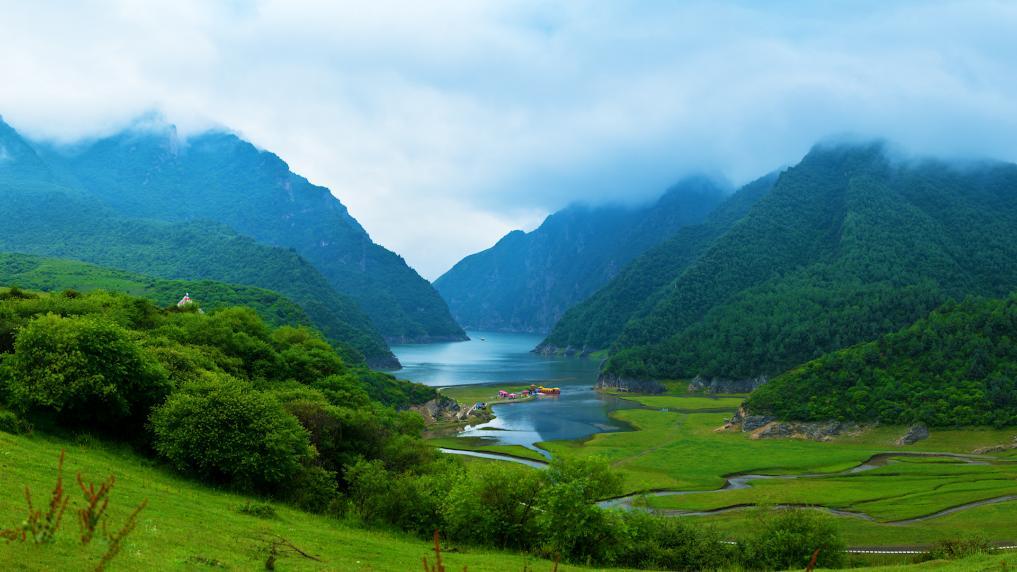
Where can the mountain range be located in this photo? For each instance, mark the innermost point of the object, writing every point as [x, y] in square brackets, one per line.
[527, 281]
[846, 246]
[214, 207]
[151, 172]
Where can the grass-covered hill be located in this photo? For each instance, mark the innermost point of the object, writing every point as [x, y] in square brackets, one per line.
[56, 274]
[45, 219]
[527, 281]
[956, 367]
[150, 172]
[848, 245]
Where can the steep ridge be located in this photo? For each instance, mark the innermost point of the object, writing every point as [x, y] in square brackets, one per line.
[595, 323]
[527, 281]
[44, 218]
[151, 172]
[847, 246]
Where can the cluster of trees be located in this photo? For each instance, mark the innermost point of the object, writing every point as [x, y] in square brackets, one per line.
[554, 513]
[220, 395]
[846, 246]
[958, 366]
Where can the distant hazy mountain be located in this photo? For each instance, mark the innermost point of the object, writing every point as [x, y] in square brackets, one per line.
[848, 245]
[150, 172]
[597, 322]
[527, 281]
[42, 215]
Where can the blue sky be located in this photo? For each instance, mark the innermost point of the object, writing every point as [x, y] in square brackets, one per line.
[443, 125]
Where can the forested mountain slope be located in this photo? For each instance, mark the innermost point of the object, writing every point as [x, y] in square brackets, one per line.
[847, 246]
[56, 274]
[43, 218]
[153, 173]
[596, 322]
[527, 281]
[955, 367]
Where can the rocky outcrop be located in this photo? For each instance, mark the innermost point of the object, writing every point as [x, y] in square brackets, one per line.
[549, 350]
[700, 384]
[766, 427]
[996, 448]
[811, 430]
[440, 408]
[914, 434]
[445, 409]
[611, 381]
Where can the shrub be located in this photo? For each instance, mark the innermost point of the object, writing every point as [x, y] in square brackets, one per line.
[313, 489]
[223, 430]
[258, 510]
[572, 524]
[959, 548]
[788, 539]
[665, 543]
[89, 370]
[496, 505]
[11, 423]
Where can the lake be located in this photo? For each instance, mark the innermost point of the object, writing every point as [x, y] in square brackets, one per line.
[492, 358]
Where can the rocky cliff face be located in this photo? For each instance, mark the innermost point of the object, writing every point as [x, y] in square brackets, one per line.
[699, 384]
[764, 427]
[609, 381]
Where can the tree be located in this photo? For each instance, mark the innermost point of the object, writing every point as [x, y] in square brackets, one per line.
[87, 369]
[225, 431]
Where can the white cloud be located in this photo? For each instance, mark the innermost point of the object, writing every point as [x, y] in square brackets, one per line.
[444, 124]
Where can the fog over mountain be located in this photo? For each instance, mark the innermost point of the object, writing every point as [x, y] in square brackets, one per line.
[444, 126]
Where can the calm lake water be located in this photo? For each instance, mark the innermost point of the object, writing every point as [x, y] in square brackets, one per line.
[505, 359]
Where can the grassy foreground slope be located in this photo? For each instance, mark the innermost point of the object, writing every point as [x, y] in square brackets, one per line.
[187, 526]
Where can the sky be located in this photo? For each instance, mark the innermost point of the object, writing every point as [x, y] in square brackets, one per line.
[444, 125]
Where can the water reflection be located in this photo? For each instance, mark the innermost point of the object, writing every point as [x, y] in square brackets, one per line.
[503, 359]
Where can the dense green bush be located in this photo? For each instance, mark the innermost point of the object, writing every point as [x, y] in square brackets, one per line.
[224, 430]
[495, 507]
[87, 369]
[665, 543]
[11, 423]
[789, 538]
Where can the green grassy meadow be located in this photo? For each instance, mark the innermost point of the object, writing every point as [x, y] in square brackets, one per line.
[682, 449]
